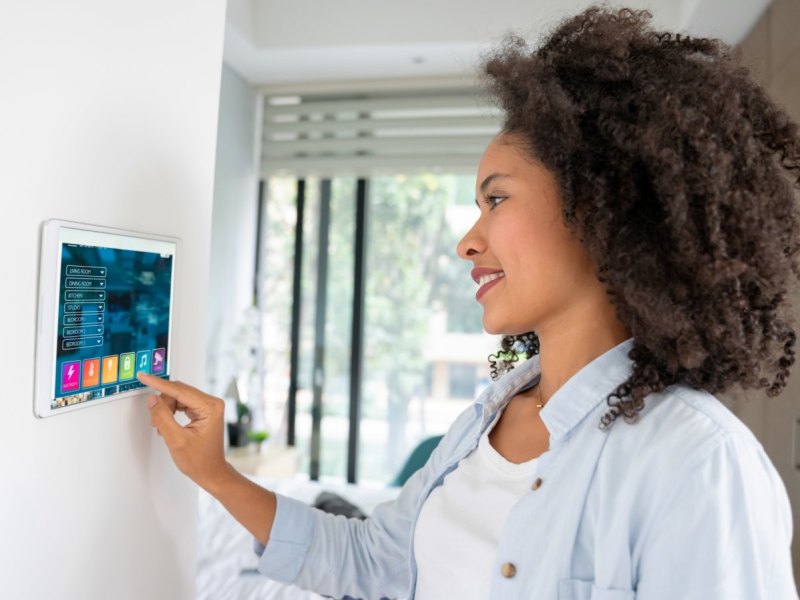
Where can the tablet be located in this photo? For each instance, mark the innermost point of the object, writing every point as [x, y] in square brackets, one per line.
[106, 299]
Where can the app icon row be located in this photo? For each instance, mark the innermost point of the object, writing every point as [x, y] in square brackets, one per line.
[92, 372]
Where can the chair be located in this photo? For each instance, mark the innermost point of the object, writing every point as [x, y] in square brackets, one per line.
[416, 460]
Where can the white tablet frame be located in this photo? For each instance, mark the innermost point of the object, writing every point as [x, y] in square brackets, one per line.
[49, 297]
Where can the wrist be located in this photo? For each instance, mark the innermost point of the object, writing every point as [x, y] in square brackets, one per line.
[220, 481]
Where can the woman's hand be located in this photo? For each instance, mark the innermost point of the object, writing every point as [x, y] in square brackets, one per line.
[196, 448]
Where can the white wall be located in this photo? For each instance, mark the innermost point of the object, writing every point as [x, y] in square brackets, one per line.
[233, 227]
[107, 115]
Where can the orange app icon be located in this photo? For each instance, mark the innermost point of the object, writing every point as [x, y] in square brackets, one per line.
[110, 368]
[91, 372]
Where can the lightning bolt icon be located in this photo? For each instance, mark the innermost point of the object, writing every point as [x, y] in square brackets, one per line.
[70, 371]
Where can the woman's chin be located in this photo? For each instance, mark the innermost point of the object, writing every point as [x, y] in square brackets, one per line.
[492, 327]
[503, 327]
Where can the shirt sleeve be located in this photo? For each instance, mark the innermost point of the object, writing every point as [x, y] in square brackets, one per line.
[340, 557]
[725, 533]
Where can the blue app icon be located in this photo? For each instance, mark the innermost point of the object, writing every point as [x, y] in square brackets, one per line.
[143, 362]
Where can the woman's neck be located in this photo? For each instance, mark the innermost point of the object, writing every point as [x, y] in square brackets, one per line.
[571, 342]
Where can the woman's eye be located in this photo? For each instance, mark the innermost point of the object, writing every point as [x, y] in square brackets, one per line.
[493, 201]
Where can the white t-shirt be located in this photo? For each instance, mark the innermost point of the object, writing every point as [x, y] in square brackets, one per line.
[459, 525]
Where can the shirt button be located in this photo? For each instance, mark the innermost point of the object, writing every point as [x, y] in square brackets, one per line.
[508, 570]
[537, 484]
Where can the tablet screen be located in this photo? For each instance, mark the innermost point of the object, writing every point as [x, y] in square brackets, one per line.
[113, 316]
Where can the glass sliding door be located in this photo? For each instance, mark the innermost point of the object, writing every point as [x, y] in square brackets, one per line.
[275, 298]
[307, 302]
[325, 321]
[424, 350]
[338, 323]
[424, 347]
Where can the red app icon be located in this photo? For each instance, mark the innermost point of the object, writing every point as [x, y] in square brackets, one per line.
[91, 372]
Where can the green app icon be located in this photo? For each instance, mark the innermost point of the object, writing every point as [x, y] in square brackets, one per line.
[127, 364]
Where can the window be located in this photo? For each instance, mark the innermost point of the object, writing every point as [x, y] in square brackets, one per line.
[462, 380]
[375, 350]
[424, 348]
[420, 315]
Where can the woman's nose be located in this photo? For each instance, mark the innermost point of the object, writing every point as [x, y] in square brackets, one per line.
[471, 244]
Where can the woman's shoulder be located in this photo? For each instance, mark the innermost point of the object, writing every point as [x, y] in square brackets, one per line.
[685, 421]
[687, 444]
[708, 412]
[683, 438]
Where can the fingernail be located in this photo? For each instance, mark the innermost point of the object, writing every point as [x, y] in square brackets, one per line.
[152, 401]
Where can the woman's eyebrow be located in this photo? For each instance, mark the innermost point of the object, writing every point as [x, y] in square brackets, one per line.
[488, 181]
[490, 178]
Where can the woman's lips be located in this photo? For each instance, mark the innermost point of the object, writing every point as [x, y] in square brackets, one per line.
[488, 279]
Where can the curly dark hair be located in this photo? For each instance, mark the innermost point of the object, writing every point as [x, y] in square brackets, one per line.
[680, 176]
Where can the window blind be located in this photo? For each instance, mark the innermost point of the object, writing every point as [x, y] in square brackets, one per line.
[363, 134]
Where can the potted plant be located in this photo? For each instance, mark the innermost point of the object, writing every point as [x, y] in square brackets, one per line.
[258, 438]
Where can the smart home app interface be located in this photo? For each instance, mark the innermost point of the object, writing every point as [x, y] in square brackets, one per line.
[113, 320]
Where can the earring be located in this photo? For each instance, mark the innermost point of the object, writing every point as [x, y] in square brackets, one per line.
[526, 343]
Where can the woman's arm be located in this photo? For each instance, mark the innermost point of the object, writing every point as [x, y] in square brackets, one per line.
[314, 550]
[725, 532]
[197, 449]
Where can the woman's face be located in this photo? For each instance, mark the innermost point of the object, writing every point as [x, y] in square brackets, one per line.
[532, 272]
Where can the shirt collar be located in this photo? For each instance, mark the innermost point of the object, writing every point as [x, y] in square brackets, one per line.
[574, 400]
[590, 386]
[498, 394]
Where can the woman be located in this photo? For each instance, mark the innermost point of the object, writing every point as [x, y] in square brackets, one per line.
[638, 213]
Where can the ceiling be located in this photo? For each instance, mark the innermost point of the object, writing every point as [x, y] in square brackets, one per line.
[273, 42]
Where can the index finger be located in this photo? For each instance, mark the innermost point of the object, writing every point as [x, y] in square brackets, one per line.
[177, 389]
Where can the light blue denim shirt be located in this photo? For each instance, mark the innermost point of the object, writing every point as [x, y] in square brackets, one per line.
[682, 505]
